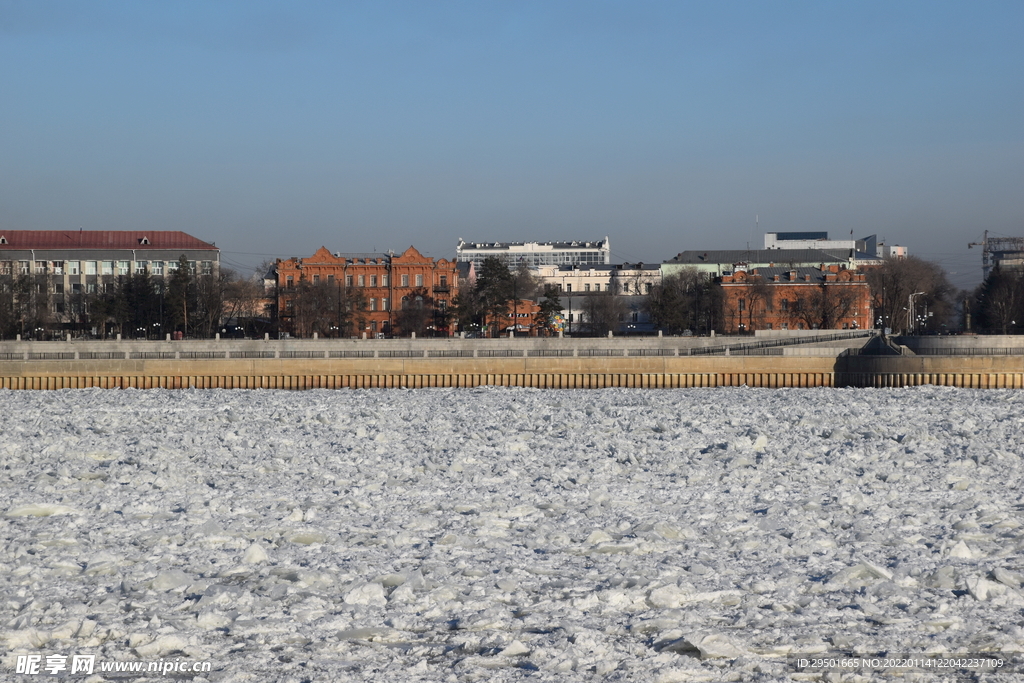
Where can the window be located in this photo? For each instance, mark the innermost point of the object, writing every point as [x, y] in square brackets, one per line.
[40, 267]
[373, 304]
[361, 281]
[383, 280]
[742, 304]
[192, 267]
[330, 280]
[140, 267]
[384, 304]
[444, 280]
[123, 267]
[90, 267]
[784, 326]
[58, 288]
[348, 280]
[405, 280]
[568, 287]
[91, 288]
[156, 267]
[23, 267]
[58, 267]
[784, 305]
[172, 267]
[207, 267]
[290, 282]
[76, 288]
[289, 305]
[625, 288]
[647, 287]
[419, 280]
[5, 267]
[106, 267]
[586, 287]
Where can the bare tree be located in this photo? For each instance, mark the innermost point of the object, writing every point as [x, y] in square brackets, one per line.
[417, 312]
[604, 311]
[326, 309]
[825, 306]
[896, 280]
[685, 300]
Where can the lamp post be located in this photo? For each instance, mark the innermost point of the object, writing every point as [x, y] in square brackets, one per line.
[910, 312]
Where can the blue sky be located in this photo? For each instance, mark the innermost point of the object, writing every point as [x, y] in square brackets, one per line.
[274, 128]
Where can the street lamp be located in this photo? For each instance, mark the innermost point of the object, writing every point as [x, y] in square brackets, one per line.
[910, 312]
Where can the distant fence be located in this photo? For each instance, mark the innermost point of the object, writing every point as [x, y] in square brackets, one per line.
[752, 347]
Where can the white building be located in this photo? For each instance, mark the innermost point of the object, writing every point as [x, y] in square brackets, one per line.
[630, 282]
[536, 254]
[864, 249]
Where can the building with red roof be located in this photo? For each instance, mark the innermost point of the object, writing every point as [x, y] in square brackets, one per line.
[78, 263]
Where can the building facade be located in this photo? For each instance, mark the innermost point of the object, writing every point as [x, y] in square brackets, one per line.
[630, 283]
[719, 262]
[795, 299]
[865, 249]
[389, 291]
[536, 254]
[72, 265]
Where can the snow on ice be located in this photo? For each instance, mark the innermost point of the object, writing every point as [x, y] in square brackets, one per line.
[509, 534]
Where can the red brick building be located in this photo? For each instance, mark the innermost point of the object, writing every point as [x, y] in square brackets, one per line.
[795, 299]
[407, 289]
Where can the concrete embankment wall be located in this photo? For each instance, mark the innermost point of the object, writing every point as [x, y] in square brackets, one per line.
[547, 363]
[306, 364]
[565, 372]
[971, 372]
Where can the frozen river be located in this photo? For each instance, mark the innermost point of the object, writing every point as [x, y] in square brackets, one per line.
[503, 535]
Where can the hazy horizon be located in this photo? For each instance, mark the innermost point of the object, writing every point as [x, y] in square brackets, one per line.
[273, 129]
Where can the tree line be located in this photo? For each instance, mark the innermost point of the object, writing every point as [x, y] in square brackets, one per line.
[908, 295]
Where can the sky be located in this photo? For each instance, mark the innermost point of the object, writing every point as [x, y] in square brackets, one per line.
[274, 128]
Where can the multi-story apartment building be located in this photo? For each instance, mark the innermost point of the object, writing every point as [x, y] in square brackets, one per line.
[536, 254]
[72, 264]
[386, 285]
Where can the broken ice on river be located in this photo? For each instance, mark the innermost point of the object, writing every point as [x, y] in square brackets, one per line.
[510, 534]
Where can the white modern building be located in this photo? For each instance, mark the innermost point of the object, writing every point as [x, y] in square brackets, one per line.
[536, 254]
[865, 248]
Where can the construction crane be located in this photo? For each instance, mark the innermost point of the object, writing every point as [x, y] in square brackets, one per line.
[999, 251]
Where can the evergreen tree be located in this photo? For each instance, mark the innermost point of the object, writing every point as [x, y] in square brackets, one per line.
[495, 285]
[550, 307]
